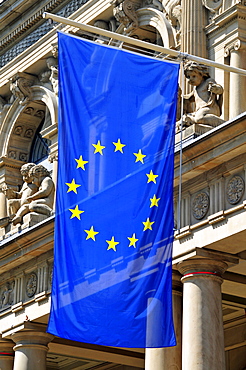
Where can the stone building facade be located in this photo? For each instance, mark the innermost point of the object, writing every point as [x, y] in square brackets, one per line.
[209, 258]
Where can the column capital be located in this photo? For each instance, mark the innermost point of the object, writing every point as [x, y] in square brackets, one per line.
[234, 45]
[53, 157]
[202, 266]
[31, 337]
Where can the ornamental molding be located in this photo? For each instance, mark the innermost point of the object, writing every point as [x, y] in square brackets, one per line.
[32, 20]
[125, 12]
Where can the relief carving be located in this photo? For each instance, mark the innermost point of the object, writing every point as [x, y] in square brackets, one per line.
[31, 285]
[7, 295]
[173, 11]
[212, 5]
[29, 133]
[52, 64]
[18, 130]
[125, 12]
[235, 189]
[200, 205]
[20, 87]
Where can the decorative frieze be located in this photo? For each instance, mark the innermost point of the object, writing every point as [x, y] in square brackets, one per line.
[213, 202]
[14, 293]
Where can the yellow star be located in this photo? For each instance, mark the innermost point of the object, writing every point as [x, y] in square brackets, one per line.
[81, 163]
[147, 224]
[91, 233]
[72, 186]
[133, 240]
[154, 201]
[98, 148]
[139, 156]
[118, 146]
[112, 244]
[151, 177]
[76, 212]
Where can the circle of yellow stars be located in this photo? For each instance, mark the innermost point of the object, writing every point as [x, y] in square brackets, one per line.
[76, 212]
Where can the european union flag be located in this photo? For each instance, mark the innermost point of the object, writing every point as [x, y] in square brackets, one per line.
[112, 279]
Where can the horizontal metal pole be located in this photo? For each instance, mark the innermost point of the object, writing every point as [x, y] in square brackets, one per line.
[142, 44]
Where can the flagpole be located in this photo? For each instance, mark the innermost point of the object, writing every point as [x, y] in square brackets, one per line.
[140, 43]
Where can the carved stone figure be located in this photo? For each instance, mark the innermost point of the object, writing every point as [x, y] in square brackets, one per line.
[125, 12]
[6, 297]
[17, 199]
[173, 10]
[52, 65]
[42, 200]
[20, 87]
[207, 96]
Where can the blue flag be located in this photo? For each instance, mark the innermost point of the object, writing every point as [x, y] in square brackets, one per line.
[112, 279]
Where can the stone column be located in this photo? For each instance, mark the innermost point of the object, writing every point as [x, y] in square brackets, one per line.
[237, 103]
[53, 158]
[31, 349]
[203, 334]
[193, 38]
[6, 354]
[169, 358]
[3, 205]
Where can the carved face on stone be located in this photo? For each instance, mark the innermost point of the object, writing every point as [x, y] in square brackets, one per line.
[39, 172]
[194, 77]
[25, 172]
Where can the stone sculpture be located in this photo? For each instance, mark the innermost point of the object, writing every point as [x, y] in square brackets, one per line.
[16, 199]
[207, 96]
[41, 201]
[36, 194]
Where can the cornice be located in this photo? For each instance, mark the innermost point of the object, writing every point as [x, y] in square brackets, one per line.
[41, 49]
[232, 14]
[29, 22]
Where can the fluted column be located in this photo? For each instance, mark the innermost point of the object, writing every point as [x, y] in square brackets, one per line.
[170, 357]
[31, 349]
[53, 158]
[3, 205]
[193, 38]
[203, 334]
[237, 103]
[6, 354]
